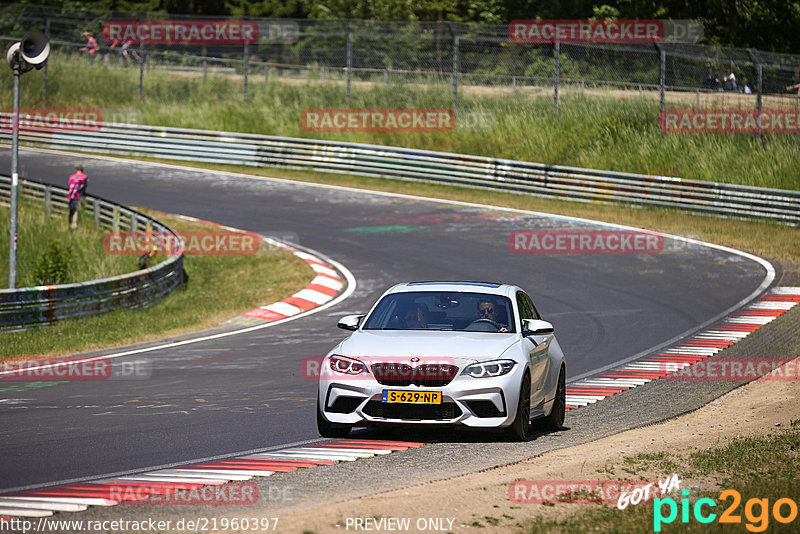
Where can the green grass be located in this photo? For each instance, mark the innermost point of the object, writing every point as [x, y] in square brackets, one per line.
[762, 467]
[220, 287]
[597, 132]
[86, 259]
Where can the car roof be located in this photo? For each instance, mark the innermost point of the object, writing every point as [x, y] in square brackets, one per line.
[492, 288]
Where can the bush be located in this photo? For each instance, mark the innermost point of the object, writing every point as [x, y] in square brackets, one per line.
[52, 267]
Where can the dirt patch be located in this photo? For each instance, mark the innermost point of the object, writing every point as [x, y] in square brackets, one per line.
[480, 502]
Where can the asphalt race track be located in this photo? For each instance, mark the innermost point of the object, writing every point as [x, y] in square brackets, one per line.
[246, 391]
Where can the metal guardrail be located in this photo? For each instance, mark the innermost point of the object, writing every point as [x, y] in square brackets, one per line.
[40, 306]
[555, 181]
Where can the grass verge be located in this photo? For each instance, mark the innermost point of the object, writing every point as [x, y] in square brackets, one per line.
[613, 132]
[760, 468]
[219, 288]
[49, 253]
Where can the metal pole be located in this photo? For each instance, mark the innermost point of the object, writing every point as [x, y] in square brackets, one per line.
[349, 63]
[47, 33]
[455, 73]
[758, 91]
[266, 75]
[12, 241]
[758, 98]
[662, 75]
[246, 65]
[141, 70]
[556, 54]
[205, 68]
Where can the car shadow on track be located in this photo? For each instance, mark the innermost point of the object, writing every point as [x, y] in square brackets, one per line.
[444, 435]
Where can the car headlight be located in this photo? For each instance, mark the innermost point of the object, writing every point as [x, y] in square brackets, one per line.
[487, 369]
[347, 366]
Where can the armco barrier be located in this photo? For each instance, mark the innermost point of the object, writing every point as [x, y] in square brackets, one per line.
[38, 306]
[385, 161]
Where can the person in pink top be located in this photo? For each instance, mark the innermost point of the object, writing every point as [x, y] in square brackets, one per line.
[91, 45]
[76, 190]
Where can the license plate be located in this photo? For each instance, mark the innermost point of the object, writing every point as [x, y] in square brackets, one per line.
[412, 397]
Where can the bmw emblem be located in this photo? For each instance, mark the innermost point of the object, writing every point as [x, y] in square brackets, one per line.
[415, 359]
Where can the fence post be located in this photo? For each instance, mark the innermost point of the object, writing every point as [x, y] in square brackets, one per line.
[349, 63]
[115, 219]
[245, 68]
[47, 33]
[134, 221]
[662, 74]
[385, 76]
[266, 74]
[96, 212]
[758, 90]
[47, 199]
[556, 65]
[455, 73]
[205, 69]
[514, 84]
[141, 70]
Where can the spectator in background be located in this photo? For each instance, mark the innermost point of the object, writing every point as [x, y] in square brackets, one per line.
[729, 81]
[127, 52]
[711, 81]
[91, 47]
[793, 87]
[76, 191]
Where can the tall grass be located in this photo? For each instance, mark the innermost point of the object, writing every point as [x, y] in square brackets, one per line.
[36, 233]
[598, 132]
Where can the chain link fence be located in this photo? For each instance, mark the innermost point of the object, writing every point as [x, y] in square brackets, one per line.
[452, 57]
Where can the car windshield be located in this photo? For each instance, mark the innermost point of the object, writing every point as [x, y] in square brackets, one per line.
[441, 310]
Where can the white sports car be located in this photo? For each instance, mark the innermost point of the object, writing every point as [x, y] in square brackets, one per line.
[472, 354]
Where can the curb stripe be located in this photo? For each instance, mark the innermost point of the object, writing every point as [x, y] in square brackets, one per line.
[700, 346]
[76, 497]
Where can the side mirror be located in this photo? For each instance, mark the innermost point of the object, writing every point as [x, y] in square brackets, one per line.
[349, 322]
[536, 327]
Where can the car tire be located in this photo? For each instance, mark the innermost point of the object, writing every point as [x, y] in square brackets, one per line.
[518, 431]
[331, 430]
[555, 421]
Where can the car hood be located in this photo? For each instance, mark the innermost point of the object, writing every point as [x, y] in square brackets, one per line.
[463, 347]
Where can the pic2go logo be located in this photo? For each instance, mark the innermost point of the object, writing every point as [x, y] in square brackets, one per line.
[756, 521]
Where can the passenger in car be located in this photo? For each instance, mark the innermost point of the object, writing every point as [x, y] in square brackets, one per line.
[415, 317]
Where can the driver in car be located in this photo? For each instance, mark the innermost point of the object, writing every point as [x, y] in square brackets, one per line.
[486, 310]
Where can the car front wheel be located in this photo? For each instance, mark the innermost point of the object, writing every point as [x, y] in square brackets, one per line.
[330, 430]
[518, 431]
[555, 420]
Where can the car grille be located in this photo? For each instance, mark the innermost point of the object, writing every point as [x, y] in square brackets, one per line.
[412, 412]
[425, 375]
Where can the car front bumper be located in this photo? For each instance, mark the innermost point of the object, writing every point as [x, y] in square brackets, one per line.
[489, 402]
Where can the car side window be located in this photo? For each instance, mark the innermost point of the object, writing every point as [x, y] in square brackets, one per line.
[533, 308]
[525, 311]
